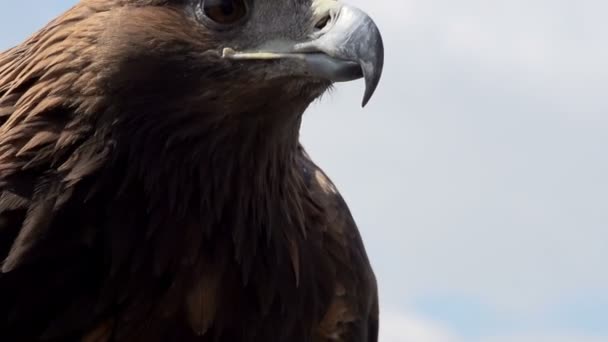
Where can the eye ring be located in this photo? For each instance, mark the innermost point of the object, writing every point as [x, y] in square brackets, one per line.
[222, 14]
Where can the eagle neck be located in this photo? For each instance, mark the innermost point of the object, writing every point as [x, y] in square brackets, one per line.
[239, 177]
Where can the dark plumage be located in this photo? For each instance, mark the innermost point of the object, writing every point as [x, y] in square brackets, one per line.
[153, 189]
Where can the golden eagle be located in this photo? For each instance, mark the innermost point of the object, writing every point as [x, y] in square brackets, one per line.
[152, 185]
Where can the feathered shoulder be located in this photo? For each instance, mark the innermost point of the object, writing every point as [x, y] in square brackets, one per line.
[48, 99]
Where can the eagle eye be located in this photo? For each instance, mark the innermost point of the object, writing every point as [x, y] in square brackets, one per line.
[224, 12]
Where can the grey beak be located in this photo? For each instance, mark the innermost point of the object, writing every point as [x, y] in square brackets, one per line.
[349, 36]
[348, 47]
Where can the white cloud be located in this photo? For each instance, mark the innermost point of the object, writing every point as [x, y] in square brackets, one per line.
[405, 327]
[411, 327]
[545, 338]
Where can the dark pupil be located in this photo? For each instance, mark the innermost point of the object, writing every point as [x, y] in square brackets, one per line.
[227, 7]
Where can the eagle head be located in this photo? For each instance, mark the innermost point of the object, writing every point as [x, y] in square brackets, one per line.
[235, 57]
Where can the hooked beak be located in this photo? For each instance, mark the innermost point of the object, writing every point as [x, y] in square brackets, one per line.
[348, 47]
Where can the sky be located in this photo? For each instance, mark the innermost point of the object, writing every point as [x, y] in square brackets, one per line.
[478, 173]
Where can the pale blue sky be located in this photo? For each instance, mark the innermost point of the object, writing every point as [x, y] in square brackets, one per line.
[478, 174]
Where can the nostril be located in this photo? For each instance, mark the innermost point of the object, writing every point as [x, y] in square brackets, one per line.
[322, 23]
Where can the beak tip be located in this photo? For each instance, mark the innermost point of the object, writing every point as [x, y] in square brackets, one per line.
[372, 79]
[366, 99]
